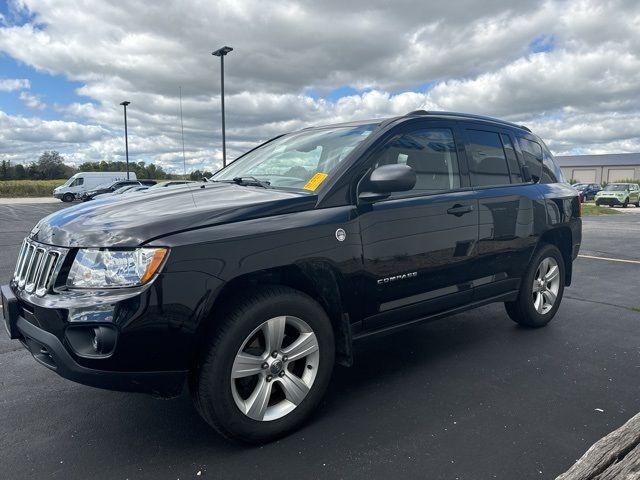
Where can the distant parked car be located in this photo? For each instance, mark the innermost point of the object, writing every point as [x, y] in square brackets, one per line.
[170, 183]
[587, 191]
[619, 194]
[138, 189]
[112, 187]
[119, 191]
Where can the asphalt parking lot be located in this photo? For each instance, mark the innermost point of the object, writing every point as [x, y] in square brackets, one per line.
[469, 397]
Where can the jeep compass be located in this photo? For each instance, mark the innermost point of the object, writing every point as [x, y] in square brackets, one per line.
[249, 288]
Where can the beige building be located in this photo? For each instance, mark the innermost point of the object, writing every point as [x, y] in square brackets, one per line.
[608, 168]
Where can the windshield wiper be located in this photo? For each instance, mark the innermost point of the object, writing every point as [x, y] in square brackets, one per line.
[253, 181]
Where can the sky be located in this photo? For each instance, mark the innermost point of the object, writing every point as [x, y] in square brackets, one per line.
[570, 70]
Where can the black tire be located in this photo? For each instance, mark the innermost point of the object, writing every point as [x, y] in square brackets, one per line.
[522, 310]
[626, 203]
[210, 380]
[598, 204]
[637, 204]
[68, 197]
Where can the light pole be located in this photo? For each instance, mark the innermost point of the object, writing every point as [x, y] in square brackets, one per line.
[221, 52]
[126, 136]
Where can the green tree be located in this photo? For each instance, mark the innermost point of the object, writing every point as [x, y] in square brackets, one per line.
[5, 170]
[50, 165]
[19, 172]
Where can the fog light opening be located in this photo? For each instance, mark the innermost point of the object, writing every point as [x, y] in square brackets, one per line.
[92, 341]
[104, 339]
[97, 343]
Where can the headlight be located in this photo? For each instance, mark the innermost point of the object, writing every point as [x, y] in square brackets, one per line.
[104, 268]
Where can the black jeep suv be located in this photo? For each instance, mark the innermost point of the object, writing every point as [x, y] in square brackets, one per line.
[251, 286]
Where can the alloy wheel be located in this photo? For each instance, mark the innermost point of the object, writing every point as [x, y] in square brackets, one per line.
[275, 368]
[546, 285]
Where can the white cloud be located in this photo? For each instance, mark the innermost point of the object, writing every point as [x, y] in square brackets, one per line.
[13, 84]
[22, 137]
[583, 94]
[32, 101]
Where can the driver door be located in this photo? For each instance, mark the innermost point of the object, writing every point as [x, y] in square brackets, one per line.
[419, 246]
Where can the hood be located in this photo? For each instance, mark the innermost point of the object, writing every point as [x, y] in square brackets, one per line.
[612, 192]
[131, 220]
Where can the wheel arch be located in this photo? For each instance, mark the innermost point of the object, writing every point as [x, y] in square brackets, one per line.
[316, 278]
[562, 238]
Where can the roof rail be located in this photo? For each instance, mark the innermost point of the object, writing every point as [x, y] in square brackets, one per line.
[465, 115]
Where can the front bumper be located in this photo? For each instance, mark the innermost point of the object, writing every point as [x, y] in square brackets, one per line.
[610, 201]
[49, 350]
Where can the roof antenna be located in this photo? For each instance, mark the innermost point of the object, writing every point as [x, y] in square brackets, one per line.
[184, 159]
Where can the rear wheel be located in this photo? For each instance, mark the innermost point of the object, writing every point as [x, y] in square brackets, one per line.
[68, 197]
[267, 366]
[541, 289]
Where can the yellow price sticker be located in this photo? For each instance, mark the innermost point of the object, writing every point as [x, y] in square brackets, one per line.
[315, 181]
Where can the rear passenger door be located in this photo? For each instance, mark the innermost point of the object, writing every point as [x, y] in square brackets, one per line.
[506, 236]
[419, 246]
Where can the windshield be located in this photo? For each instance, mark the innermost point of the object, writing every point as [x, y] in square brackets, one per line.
[68, 182]
[616, 187]
[123, 189]
[300, 160]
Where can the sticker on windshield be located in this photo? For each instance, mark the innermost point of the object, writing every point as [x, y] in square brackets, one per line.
[315, 181]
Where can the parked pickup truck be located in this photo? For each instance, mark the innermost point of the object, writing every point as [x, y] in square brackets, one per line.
[250, 287]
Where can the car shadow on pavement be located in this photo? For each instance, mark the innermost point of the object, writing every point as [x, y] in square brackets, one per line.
[394, 362]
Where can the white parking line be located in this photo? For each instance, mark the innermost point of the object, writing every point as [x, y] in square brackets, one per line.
[610, 259]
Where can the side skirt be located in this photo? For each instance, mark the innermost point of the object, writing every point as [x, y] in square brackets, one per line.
[503, 297]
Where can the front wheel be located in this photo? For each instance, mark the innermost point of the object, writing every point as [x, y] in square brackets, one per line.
[68, 197]
[626, 203]
[541, 289]
[267, 366]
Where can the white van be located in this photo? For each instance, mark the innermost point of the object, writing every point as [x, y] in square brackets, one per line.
[83, 181]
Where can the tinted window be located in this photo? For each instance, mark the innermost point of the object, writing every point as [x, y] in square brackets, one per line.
[512, 159]
[488, 165]
[431, 153]
[532, 153]
[77, 182]
[551, 173]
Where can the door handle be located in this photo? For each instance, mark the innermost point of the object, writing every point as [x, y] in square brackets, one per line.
[459, 210]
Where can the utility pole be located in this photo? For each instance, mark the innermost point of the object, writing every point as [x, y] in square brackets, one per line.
[126, 135]
[221, 52]
[184, 158]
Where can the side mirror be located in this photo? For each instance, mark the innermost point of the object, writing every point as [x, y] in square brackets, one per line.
[387, 179]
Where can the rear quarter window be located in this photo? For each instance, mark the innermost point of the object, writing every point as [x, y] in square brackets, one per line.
[551, 172]
[532, 157]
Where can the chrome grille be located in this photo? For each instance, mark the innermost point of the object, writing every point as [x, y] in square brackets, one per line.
[36, 267]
